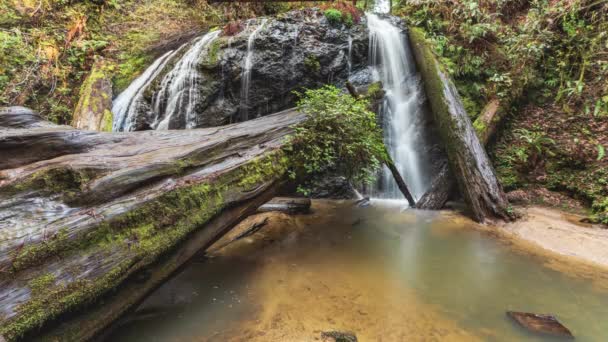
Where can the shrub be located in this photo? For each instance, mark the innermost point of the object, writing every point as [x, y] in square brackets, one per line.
[333, 16]
[340, 134]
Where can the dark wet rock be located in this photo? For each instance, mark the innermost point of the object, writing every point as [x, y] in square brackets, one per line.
[294, 51]
[542, 324]
[332, 187]
[94, 109]
[338, 336]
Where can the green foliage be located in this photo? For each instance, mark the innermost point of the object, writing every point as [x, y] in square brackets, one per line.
[312, 63]
[340, 134]
[333, 15]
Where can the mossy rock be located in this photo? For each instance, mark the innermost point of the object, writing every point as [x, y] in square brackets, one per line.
[94, 109]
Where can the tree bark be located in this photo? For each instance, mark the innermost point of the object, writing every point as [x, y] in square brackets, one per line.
[467, 158]
[89, 215]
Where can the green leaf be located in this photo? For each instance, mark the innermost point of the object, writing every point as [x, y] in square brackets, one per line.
[601, 152]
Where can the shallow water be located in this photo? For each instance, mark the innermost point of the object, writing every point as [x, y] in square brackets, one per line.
[383, 274]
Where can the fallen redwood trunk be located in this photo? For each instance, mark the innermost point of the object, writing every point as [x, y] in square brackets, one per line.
[287, 205]
[466, 155]
[444, 183]
[86, 216]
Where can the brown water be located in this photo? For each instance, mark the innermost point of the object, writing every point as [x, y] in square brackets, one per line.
[383, 274]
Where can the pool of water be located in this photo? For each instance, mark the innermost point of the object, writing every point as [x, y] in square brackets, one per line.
[383, 274]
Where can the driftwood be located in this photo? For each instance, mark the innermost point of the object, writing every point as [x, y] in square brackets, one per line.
[88, 216]
[287, 205]
[467, 158]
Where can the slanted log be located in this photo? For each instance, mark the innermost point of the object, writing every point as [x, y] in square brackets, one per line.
[467, 158]
[112, 215]
[444, 183]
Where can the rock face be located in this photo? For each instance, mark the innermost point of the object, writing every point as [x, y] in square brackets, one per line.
[93, 111]
[300, 49]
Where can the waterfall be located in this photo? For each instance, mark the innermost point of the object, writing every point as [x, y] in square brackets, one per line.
[179, 93]
[125, 105]
[246, 73]
[350, 54]
[401, 110]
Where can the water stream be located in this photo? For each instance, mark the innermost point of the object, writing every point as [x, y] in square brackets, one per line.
[246, 74]
[126, 103]
[179, 93]
[384, 274]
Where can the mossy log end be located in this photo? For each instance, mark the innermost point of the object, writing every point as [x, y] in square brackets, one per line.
[90, 216]
[467, 158]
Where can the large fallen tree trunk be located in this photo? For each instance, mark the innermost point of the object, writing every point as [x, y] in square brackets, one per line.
[88, 216]
[444, 183]
[467, 158]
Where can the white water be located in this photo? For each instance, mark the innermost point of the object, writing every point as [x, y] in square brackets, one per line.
[401, 110]
[179, 88]
[350, 54]
[246, 74]
[124, 107]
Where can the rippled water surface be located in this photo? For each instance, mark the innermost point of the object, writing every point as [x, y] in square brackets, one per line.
[381, 273]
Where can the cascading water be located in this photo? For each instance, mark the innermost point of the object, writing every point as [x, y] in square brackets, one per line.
[179, 93]
[126, 103]
[401, 110]
[350, 55]
[246, 74]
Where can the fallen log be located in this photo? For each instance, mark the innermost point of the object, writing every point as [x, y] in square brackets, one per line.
[444, 183]
[467, 158]
[287, 205]
[89, 216]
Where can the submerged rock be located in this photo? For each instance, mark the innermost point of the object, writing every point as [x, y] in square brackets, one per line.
[94, 109]
[543, 324]
[338, 336]
[298, 50]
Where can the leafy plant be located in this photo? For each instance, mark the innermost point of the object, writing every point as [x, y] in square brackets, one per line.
[536, 144]
[333, 15]
[339, 134]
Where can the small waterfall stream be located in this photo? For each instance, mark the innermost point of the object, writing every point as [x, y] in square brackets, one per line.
[401, 110]
[246, 75]
[124, 106]
[179, 94]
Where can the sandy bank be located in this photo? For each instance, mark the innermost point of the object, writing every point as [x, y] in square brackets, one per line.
[562, 233]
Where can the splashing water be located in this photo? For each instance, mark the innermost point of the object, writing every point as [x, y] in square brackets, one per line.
[126, 103]
[246, 74]
[401, 111]
[179, 92]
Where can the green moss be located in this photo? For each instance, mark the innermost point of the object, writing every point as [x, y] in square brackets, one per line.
[312, 63]
[213, 53]
[42, 283]
[31, 255]
[106, 121]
